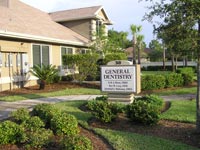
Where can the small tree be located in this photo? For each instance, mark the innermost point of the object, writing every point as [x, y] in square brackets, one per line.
[85, 63]
[45, 73]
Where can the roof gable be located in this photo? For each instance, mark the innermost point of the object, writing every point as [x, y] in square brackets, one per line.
[95, 12]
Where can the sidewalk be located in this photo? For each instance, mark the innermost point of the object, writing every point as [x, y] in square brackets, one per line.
[7, 107]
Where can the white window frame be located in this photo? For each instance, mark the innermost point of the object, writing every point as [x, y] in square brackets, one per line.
[50, 47]
[9, 61]
[1, 59]
[18, 59]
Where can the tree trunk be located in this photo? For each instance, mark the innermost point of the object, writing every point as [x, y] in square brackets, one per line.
[176, 61]
[42, 85]
[139, 61]
[163, 58]
[198, 84]
[134, 50]
[173, 66]
[186, 61]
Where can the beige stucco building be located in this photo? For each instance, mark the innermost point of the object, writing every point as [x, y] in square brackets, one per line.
[29, 36]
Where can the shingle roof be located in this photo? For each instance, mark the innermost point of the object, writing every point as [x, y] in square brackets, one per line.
[26, 21]
[79, 13]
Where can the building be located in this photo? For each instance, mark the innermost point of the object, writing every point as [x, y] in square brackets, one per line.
[29, 36]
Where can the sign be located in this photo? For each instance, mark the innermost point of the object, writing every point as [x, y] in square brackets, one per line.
[118, 79]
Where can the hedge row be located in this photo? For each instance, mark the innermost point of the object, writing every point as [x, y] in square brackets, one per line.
[151, 82]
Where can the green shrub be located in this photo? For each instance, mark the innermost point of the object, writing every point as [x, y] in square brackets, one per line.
[76, 143]
[151, 82]
[11, 133]
[45, 112]
[188, 79]
[173, 80]
[33, 124]
[145, 110]
[103, 111]
[114, 56]
[152, 99]
[20, 115]
[56, 79]
[64, 123]
[38, 138]
[187, 74]
[118, 108]
[102, 98]
[67, 78]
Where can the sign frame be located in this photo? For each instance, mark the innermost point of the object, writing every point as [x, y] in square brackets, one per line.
[126, 79]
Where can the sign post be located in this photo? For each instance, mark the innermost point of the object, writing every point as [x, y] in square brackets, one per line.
[120, 80]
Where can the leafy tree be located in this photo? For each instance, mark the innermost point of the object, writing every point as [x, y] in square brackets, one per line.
[181, 20]
[157, 51]
[86, 64]
[45, 73]
[119, 39]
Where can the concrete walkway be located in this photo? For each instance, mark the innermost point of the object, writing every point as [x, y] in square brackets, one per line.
[7, 107]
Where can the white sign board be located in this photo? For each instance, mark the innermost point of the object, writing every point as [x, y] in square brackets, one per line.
[118, 79]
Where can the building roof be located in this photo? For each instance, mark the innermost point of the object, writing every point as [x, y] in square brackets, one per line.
[19, 20]
[80, 13]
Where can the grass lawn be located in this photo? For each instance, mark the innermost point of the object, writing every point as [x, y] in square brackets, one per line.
[123, 140]
[72, 91]
[131, 141]
[178, 91]
[183, 111]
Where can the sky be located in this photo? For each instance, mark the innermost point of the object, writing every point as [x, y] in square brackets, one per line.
[122, 13]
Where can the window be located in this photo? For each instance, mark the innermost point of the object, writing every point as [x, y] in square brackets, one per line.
[9, 60]
[84, 51]
[1, 60]
[40, 54]
[18, 59]
[66, 50]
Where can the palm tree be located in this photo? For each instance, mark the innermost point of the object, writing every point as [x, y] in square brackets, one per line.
[134, 30]
[140, 46]
[45, 74]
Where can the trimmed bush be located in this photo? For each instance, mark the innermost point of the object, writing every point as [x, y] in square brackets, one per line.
[33, 124]
[145, 110]
[187, 74]
[104, 111]
[20, 115]
[38, 138]
[76, 143]
[64, 123]
[67, 78]
[11, 133]
[102, 98]
[151, 82]
[45, 112]
[151, 99]
[173, 80]
[114, 56]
